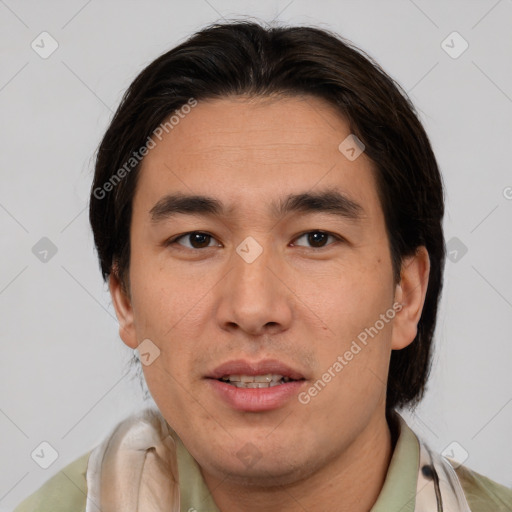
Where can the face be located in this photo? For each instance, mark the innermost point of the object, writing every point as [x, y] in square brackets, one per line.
[281, 269]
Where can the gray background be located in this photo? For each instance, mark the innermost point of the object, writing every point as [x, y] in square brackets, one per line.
[64, 372]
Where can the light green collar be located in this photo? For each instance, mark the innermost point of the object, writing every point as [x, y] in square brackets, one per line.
[399, 490]
[194, 494]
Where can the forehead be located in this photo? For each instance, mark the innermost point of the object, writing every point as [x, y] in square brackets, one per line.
[256, 149]
[241, 126]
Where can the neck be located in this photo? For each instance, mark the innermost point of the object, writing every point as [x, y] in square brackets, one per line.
[352, 481]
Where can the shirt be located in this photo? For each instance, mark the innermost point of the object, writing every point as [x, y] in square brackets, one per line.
[67, 490]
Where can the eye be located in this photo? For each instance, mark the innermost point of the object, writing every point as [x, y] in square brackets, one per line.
[317, 239]
[196, 239]
[200, 240]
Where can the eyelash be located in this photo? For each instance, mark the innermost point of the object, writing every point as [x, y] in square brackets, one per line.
[174, 240]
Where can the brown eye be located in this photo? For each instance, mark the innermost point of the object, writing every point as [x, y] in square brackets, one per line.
[317, 239]
[196, 240]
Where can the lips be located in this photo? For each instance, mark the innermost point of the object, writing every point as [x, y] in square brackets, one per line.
[255, 397]
[265, 367]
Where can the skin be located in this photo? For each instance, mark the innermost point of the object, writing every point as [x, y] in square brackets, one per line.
[297, 303]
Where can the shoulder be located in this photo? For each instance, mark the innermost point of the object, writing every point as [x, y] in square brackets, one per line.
[482, 493]
[64, 492]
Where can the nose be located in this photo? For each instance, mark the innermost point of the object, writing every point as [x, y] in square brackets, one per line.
[254, 297]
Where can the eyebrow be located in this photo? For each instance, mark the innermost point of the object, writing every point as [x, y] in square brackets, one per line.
[328, 201]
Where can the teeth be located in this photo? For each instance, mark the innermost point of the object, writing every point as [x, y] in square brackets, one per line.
[255, 381]
[254, 385]
[264, 378]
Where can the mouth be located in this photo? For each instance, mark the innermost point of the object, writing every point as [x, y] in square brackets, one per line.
[255, 386]
[269, 372]
[268, 380]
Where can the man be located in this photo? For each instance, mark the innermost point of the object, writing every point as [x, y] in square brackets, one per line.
[268, 210]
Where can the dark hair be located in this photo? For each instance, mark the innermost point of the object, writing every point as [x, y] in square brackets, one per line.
[245, 58]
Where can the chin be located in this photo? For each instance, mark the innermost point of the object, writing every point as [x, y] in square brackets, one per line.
[269, 469]
[265, 476]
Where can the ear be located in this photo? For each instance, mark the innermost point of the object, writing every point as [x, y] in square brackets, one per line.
[410, 293]
[124, 311]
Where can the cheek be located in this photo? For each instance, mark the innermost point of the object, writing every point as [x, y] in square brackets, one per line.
[168, 312]
[352, 376]
[352, 297]
[160, 301]
[359, 314]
